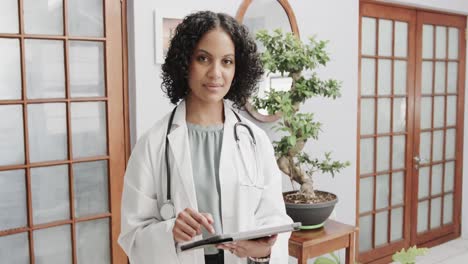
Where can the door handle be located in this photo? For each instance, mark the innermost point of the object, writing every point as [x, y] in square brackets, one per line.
[418, 160]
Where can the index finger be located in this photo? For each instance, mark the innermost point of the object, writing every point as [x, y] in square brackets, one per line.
[200, 218]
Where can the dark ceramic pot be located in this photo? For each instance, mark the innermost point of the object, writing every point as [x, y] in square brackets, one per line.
[310, 215]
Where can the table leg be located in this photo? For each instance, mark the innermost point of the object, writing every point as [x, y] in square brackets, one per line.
[350, 250]
[302, 258]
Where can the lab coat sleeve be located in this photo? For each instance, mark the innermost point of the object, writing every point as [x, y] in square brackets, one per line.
[271, 209]
[144, 237]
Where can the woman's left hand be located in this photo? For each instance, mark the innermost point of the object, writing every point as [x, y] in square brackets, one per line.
[250, 248]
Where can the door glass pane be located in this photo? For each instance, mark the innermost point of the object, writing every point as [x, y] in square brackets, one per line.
[365, 233]
[92, 242]
[436, 187]
[45, 70]
[425, 147]
[47, 132]
[383, 188]
[399, 77]
[368, 36]
[43, 17]
[10, 68]
[367, 155]
[383, 153]
[85, 18]
[441, 41]
[366, 194]
[451, 110]
[367, 77]
[423, 184]
[89, 129]
[86, 68]
[381, 227]
[9, 16]
[367, 116]
[426, 112]
[401, 39]
[14, 211]
[440, 77]
[423, 208]
[439, 111]
[53, 245]
[450, 144]
[399, 146]
[51, 199]
[385, 37]
[438, 149]
[453, 43]
[11, 135]
[398, 188]
[91, 188]
[384, 80]
[426, 78]
[449, 176]
[15, 249]
[452, 77]
[436, 212]
[399, 114]
[428, 38]
[397, 224]
[383, 116]
[448, 209]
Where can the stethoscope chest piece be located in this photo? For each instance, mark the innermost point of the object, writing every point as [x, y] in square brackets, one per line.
[167, 211]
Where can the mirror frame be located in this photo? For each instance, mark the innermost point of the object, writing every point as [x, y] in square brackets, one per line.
[295, 30]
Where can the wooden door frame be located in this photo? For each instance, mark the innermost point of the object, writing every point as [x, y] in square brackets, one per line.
[119, 56]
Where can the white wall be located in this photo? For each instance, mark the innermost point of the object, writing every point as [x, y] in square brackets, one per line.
[339, 118]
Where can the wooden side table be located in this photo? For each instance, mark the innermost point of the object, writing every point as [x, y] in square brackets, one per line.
[332, 236]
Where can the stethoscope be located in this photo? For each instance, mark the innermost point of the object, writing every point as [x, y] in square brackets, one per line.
[167, 210]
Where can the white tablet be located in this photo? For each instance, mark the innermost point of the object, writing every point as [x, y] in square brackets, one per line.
[245, 235]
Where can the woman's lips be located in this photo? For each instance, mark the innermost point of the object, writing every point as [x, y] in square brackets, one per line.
[213, 87]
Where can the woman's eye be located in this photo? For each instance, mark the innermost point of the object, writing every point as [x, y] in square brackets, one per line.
[228, 61]
[202, 58]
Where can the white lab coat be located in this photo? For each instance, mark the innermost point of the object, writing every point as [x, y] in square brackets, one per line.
[147, 239]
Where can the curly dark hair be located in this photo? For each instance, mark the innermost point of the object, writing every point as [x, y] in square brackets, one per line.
[175, 70]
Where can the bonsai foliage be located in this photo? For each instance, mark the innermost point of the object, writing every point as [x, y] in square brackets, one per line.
[409, 256]
[286, 54]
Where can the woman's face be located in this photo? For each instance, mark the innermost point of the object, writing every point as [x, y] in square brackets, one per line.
[212, 67]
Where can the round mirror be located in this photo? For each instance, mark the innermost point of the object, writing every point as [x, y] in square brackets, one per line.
[269, 15]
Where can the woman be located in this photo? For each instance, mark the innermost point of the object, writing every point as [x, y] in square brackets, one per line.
[215, 185]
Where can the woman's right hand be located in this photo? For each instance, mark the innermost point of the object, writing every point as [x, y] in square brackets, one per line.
[188, 224]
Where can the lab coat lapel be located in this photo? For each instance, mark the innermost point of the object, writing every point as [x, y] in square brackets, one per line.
[227, 172]
[180, 148]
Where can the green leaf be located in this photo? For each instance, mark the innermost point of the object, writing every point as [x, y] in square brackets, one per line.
[323, 260]
[409, 256]
[292, 140]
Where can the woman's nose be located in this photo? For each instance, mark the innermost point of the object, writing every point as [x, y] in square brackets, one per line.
[215, 70]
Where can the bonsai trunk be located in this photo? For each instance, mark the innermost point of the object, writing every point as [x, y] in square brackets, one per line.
[287, 166]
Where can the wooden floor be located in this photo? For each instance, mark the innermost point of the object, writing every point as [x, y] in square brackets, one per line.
[452, 252]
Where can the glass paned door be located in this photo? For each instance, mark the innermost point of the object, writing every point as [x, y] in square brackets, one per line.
[438, 132]
[411, 102]
[62, 136]
[385, 128]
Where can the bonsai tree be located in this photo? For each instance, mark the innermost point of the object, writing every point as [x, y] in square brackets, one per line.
[286, 54]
